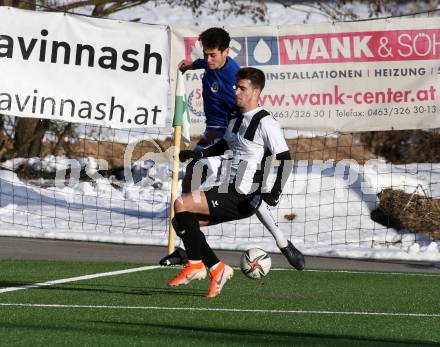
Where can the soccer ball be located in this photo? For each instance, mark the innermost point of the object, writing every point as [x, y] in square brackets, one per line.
[255, 263]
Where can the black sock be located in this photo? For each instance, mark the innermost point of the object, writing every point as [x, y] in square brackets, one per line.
[188, 230]
[208, 256]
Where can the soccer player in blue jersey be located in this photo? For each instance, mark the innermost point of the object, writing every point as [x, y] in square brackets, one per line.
[218, 90]
[219, 100]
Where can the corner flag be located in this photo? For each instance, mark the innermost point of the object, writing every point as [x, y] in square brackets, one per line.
[181, 132]
[181, 114]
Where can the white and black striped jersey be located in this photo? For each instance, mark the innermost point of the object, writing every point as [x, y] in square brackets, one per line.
[251, 137]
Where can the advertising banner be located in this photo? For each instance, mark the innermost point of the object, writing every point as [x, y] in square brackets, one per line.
[86, 70]
[364, 76]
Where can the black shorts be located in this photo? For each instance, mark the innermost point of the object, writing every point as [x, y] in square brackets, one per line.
[225, 207]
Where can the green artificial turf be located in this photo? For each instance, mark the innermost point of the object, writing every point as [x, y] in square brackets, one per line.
[287, 308]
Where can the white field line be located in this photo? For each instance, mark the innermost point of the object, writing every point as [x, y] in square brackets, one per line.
[79, 278]
[228, 310]
[366, 272]
[146, 268]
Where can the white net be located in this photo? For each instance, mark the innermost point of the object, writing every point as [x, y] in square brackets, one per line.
[329, 206]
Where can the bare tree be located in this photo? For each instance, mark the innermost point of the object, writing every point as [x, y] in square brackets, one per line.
[344, 10]
[102, 8]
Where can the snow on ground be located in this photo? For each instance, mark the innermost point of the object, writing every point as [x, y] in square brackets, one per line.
[332, 204]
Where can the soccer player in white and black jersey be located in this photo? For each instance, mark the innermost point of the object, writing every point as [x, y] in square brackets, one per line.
[252, 135]
[219, 100]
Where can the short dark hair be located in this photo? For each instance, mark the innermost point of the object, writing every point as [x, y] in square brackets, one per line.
[213, 38]
[256, 76]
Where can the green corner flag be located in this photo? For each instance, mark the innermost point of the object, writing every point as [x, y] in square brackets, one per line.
[181, 114]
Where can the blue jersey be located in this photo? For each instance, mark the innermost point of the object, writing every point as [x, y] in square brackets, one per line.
[218, 92]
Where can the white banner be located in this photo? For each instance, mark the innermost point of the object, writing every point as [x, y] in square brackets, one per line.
[377, 75]
[79, 69]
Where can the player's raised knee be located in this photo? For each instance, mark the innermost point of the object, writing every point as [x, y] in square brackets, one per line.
[179, 205]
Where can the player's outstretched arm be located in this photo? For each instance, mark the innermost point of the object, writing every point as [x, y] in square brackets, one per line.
[185, 66]
[214, 150]
[218, 148]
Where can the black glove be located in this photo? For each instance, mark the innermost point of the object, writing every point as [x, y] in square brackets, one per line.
[189, 154]
[272, 198]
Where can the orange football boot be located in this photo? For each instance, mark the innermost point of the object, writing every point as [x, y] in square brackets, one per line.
[190, 272]
[219, 276]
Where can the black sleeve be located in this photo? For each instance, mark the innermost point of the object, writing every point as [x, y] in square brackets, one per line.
[217, 148]
[283, 172]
